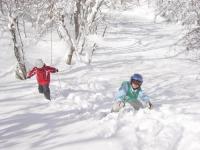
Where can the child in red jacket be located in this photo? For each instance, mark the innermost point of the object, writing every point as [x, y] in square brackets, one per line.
[42, 73]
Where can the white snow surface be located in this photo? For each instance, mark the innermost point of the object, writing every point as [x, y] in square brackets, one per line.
[78, 116]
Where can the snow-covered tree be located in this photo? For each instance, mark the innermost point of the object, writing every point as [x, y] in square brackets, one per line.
[187, 12]
[76, 20]
[122, 4]
[11, 12]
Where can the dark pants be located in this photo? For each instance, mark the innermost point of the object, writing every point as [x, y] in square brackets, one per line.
[45, 89]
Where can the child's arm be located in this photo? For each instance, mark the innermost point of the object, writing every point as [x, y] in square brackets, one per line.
[31, 73]
[121, 94]
[51, 69]
[144, 98]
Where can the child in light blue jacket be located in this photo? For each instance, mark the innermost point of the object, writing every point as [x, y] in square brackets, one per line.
[131, 92]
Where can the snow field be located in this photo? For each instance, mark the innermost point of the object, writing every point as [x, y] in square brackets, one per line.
[82, 96]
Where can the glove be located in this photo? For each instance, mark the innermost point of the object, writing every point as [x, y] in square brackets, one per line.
[121, 104]
[117, 106]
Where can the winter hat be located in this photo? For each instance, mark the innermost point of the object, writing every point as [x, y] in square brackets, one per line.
[39, 63]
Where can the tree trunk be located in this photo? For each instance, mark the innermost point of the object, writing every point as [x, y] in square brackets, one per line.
[24, 27]
[68, 39]
[18, 50]
[70, 55]
[1, 7]
[76, 18]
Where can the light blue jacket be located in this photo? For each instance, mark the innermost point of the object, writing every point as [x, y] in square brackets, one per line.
[123, 92]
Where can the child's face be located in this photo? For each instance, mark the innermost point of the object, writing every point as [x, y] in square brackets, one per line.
[135, 84]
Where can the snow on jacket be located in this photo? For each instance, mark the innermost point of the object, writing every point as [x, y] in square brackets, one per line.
[127, 94]
[42, 74]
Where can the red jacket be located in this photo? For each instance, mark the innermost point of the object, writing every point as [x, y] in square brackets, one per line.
[42, 74]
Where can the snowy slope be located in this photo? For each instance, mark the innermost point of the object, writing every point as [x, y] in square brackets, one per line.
[83, 95]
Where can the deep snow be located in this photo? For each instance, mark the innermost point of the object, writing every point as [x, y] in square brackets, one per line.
[78, 116]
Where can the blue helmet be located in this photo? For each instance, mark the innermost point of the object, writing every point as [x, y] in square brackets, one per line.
[137, 77]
